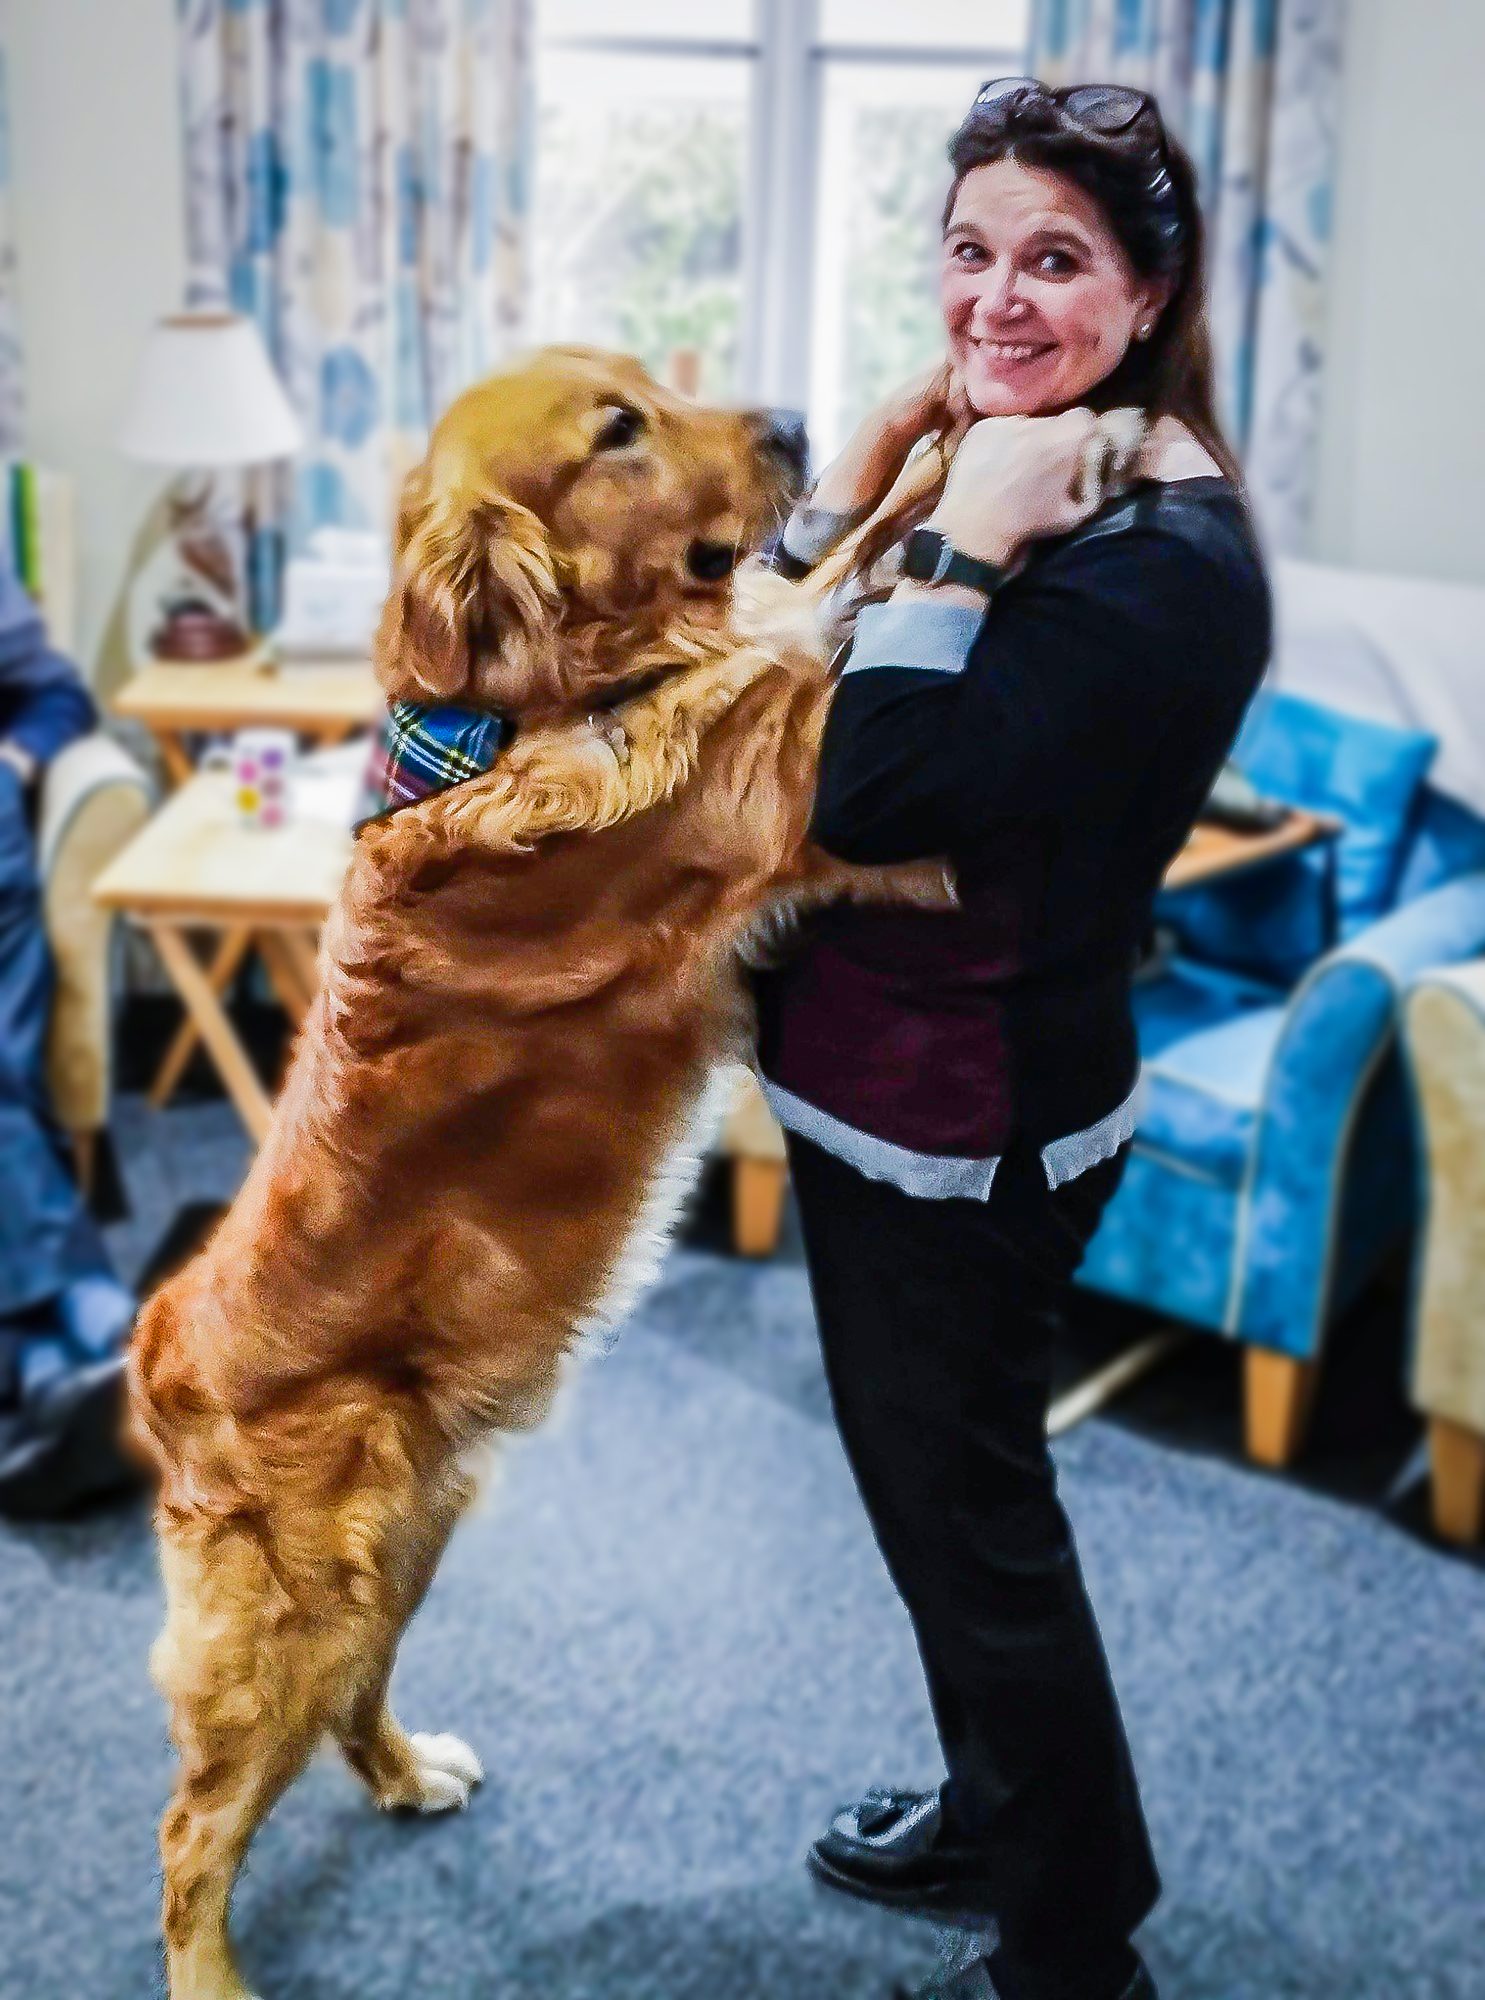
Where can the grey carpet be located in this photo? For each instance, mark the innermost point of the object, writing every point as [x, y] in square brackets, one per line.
[669, 1637]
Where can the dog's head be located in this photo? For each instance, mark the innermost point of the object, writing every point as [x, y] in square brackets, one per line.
[570, 517]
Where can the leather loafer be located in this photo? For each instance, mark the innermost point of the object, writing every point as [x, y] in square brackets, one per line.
[66, 1449]
[889, 1848]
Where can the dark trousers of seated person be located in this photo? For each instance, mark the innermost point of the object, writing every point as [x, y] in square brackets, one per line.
[47, 1236]
[936, 1321]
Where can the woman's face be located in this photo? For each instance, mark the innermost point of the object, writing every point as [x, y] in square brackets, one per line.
[1039, 299]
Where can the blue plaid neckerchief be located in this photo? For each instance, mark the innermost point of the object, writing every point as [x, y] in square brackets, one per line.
[424, 747]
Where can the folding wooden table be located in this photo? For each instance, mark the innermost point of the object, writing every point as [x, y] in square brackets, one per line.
[323, 699]
[194, 868]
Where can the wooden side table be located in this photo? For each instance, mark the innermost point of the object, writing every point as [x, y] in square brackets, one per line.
[1221, 850]
[194, 868]
[325, 700]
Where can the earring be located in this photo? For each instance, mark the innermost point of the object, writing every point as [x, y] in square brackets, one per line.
[1144, 332]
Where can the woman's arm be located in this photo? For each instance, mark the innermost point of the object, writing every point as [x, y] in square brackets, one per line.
[938, 736]
[863, 471]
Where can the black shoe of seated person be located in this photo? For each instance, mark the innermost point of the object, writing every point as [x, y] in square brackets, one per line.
[65, 1450]
[891, 1847]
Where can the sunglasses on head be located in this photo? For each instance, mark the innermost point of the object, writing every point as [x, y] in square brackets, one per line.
[1104, 109]
[1097, 110]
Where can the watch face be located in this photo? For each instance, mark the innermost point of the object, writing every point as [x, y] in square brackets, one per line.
[925, 552]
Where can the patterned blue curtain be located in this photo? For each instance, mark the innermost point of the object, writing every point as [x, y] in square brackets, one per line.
[12, 400]
[1253, 89]
[357, 180]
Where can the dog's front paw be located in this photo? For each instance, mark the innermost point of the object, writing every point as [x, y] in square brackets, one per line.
[447, 1770]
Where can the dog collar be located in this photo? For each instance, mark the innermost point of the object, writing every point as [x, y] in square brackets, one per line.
[425, 747]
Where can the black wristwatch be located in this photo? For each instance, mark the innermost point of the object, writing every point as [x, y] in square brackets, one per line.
[929, 557]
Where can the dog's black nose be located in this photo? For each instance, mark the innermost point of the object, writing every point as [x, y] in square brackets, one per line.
[784, 433]
[711, 561]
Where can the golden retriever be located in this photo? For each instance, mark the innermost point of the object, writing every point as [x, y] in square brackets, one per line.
[525, 986]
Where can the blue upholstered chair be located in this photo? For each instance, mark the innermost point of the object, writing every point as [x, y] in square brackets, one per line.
[1272, 1171]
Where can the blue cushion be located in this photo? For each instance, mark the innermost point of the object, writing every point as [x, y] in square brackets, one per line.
[1205, 1040]
[1271, 922]
[1447, 839]
[1365, 773]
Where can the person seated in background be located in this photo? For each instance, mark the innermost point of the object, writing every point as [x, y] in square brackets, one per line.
[64, 1315]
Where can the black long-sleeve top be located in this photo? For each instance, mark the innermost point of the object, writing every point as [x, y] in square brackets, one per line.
[1057, 749]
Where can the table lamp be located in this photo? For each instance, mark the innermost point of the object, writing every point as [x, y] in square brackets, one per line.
[206, 399]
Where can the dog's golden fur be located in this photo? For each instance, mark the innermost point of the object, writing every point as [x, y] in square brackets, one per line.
[525, 985]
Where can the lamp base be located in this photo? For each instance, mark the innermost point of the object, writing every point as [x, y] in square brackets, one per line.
[194, 634]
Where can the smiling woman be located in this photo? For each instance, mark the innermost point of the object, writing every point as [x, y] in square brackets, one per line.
[1039, 300]
[1059, 616]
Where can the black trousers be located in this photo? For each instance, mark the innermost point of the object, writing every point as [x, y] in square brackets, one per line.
[936, 1320]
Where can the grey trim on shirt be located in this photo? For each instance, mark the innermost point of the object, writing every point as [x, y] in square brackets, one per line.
[946, 1176]
[923, 632]
[810, 533]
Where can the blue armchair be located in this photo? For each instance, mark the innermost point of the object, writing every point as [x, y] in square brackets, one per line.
[1272, 1170]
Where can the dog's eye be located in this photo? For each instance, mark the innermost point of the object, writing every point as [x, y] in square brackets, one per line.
[622, 428]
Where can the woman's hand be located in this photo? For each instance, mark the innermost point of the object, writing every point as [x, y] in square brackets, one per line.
[857, 478]
[1014, 479]
[932, 401]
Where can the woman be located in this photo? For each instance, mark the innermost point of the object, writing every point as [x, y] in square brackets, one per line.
[957, 1089]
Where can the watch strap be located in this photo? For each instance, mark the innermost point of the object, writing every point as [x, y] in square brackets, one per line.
[930, 557]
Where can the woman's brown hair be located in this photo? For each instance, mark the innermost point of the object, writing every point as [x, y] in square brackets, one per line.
[1145, 187]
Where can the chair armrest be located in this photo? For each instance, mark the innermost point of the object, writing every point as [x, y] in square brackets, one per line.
[1445, 927]
[84, 768]
[94, 797]
[1444, 1036]
[1338, 1027]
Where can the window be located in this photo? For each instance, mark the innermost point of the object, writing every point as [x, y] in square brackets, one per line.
[757, 182]
[642, 168]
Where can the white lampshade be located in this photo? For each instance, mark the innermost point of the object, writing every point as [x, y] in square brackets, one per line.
[207, 395]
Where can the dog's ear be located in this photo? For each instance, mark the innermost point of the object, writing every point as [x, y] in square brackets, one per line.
[474, 600]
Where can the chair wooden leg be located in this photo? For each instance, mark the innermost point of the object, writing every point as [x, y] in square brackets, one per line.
[757, 1205]
[1458, 1459]
[85, 1161]
[1278, 1397]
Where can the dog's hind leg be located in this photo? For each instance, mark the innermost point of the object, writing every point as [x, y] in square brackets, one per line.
[215, 1811]
[417, 1773]
[247, 1682]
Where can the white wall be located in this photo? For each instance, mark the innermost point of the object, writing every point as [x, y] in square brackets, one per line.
[1402, 461]
[96, 148]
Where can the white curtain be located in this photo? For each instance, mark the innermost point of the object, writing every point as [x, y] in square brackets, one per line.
[1253, 89]
[357, 179]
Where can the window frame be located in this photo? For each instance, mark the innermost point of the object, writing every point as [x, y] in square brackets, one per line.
[781, 192]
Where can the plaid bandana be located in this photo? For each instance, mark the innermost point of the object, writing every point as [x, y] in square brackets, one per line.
[424, 747]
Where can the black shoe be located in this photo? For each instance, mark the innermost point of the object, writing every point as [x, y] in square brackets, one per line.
[66, 1448]
[889, 1848]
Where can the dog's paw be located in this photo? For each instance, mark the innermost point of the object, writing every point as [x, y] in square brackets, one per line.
[447, 1770]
